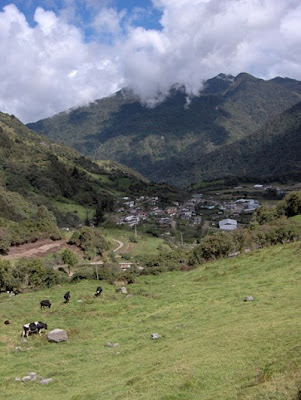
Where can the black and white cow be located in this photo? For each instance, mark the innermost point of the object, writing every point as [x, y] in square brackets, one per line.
[67, 297]
[33, 327]
[98, 291]
[45, 303]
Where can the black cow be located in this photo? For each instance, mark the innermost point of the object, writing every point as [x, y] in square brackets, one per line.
[98, 291]
[33, 327]
[45, 303]
[67, 297]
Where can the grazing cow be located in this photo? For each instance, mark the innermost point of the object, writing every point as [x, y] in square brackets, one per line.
[13, 292]
[33, 327]
[98, 291]
[67, 297]
[45, 303]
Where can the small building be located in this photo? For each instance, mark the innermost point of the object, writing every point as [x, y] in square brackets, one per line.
[197, 220]
[125, 265]
[171, 210]
[228, 224]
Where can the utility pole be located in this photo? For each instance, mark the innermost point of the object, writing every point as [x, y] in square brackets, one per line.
[181, 238]
[135, 231]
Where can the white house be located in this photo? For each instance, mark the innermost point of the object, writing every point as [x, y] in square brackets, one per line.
[227, 224]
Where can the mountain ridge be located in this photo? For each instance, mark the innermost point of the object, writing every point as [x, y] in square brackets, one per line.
[155, 141]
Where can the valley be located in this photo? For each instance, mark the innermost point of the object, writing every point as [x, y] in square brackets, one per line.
[200, 278]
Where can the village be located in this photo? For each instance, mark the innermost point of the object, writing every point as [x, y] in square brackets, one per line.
[201, 211]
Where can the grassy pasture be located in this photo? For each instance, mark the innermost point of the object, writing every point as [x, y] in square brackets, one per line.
[144, 244]
[213, 346]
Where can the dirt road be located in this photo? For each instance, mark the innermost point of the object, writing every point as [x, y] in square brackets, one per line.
[120, 245]
[37, 249]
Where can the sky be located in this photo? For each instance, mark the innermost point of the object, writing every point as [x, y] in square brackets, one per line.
[58, 54]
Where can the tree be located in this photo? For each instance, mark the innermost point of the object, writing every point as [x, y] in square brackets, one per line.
[291, 204]
[69, 258]
[99, 215]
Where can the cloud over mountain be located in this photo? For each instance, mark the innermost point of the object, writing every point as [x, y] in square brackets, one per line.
[62, 60]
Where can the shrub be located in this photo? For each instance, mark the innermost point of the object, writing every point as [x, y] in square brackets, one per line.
[221, 244]
[291, 204]
[90, 240]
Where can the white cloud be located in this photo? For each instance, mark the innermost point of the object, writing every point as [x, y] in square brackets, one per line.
[51, 66]
[201, 38]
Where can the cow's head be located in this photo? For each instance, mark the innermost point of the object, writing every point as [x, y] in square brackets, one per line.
[42, 325]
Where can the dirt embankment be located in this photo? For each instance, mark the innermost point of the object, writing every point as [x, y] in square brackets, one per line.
[38, 249]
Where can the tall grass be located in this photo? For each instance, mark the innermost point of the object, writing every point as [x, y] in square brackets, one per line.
[213, 345]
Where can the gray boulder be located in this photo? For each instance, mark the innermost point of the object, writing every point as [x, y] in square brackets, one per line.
[57, 335]
[122, 290]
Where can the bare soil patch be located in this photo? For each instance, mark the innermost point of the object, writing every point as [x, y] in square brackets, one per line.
[38, 249]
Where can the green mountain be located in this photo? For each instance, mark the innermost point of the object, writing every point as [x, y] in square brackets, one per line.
[164, 141]
[271, 153]
[43, 184]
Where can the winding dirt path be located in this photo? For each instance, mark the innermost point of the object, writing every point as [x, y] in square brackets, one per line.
[120, 245]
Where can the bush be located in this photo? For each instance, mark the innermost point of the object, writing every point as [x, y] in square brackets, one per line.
[291, 204]
[221, 244]
[28, 274]
[90, 240]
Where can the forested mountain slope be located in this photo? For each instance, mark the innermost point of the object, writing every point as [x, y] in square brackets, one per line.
[273, 153]
[161, 142]
[43, 184]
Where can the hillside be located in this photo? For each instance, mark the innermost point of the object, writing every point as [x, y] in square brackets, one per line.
[43, 184]
[271, 153]
[213, 345]
[163, 141]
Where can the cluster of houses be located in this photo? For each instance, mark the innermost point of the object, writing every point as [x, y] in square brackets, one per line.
[134, 212]
[139, 211]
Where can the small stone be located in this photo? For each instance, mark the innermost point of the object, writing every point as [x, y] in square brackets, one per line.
[118, 352]
[249, 298]
[18, 379]
[116, 345]
[17, 349]
[155, 336]
[26, 378]
[45, 381]
[108, 344]
[32, 375]
[79, 301]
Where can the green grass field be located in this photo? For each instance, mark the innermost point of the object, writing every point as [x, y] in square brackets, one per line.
[144, 244]
[213, 345]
